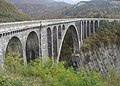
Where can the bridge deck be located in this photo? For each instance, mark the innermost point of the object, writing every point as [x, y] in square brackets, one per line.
[12, 26]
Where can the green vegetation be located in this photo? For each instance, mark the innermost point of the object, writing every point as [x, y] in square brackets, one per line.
[45, 73]
[9, 13]
[108, 34]
[95, 8]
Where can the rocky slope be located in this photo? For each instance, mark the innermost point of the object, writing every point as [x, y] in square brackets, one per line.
[103, 60]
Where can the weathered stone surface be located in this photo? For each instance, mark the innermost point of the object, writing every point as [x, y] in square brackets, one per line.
[103, 59]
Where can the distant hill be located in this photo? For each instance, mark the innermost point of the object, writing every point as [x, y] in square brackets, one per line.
[30, 1]
[95, 8]
[9, 13]
[48, 9]
[43, 11]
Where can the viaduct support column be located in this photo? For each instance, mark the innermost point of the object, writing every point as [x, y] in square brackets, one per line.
[24, 40]
[24, 53]
[94, 27]
[98, 24]
[40, 50]
[52, 45]
[1, 53]
[86, 28]
[81, 31]
[89, 28]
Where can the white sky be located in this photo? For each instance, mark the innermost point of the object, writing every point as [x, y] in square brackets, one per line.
[72, 1]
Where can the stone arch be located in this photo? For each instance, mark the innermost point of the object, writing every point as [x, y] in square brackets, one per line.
[96, 26]
[59, 32]
[72, 30]
[49, 41]
[55, 53]
[14, 45]
[91, 27]
[63, 27]
[32, 46]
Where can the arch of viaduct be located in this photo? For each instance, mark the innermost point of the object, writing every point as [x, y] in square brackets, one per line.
[44, 38]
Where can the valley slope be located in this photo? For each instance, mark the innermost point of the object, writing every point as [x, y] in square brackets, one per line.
[9, 13]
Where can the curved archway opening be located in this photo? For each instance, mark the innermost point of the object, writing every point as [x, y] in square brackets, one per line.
[32, 46]
[14, 45]
[96, 26]
[14, 51]
[49, 41]
[59, 32]
[70, 45]
[91, 27]
[85, 29]
[88, 29]
[63, 27]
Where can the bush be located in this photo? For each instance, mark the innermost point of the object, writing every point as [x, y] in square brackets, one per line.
[45, 73]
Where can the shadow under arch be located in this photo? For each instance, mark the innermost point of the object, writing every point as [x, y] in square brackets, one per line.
[32, 46]
[14, 45]
[96, 26]
[70, 42]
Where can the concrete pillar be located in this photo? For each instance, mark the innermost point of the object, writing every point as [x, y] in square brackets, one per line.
[89, 28]
[44, 47]
[86, 29]
[59, 39]
[81, 31]
[93, 26]
[24, 53]
[40, 50]
[98, 24]
[23, 41]
[1, 53]
[52, 46]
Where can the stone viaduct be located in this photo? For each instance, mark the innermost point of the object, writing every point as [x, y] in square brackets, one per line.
[44, 38]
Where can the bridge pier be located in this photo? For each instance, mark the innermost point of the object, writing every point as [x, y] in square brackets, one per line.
[1, 53]
[81, 34]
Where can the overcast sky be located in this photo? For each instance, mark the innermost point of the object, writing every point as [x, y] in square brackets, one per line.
[72, 1]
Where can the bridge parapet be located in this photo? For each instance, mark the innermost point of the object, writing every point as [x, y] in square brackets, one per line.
[7, 27]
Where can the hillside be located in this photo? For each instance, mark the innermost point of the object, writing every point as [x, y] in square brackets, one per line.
[43, 11]
[49, 9]
[95, 8]
[31, 1]
[9, 13]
